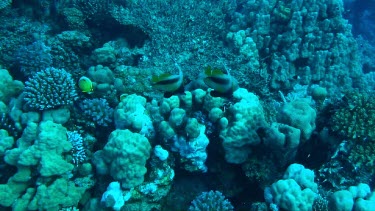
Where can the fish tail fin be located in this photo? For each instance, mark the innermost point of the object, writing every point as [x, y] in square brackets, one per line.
[180, 73]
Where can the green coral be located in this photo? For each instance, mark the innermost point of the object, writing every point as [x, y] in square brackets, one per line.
[124, 157]
[9, 87]
[74, 18]
[6, 141]
[356, 119]
[260, 169]
[363, 156]
[61, 193]
[46, 152]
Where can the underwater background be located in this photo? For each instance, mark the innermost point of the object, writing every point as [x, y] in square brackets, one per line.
[147, 105]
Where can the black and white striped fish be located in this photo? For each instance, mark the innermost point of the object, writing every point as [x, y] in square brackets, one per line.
[220, 81]
[168, 82]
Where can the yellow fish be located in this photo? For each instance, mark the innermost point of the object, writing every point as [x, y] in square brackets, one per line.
[168, 82]
[220, 81]
[85, 84]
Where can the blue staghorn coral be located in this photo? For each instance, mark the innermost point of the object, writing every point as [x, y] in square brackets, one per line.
[98, 111]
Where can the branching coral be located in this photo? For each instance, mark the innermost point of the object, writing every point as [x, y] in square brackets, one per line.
[34, 57]
[78, 151]
[362, 156]
[213, 200]
[50, 88]
[98, 110]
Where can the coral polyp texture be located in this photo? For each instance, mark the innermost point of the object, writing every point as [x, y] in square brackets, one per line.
[207, 105]
[78, 150]
[49, 89]
[98, 111]
[355, 119]
[212, 200]
[34, 57]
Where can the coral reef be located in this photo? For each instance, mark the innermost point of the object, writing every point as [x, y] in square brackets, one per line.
[300, 115]
[41, 147]
[212, 200]
[297, 191]
[362, 156]
[98, 111]
[50, 88]
[124, 158]
[34, 58]
[356, 118]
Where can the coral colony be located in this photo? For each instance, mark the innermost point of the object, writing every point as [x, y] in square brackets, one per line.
[212, 105]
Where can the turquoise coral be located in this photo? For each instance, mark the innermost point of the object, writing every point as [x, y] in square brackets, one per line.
[124, 157]
[9, 87]
[42, 147]
[243, 119]
[46, 150]
[61, 193]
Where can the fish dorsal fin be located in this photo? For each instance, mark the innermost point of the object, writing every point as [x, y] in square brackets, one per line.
[158, 78]
[213, 71]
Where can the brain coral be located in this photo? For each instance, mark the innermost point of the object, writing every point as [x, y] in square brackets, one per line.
[50, 88]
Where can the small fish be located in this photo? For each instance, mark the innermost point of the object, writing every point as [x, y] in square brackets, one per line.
[220, 81]
[85, 84]
[168, 82]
